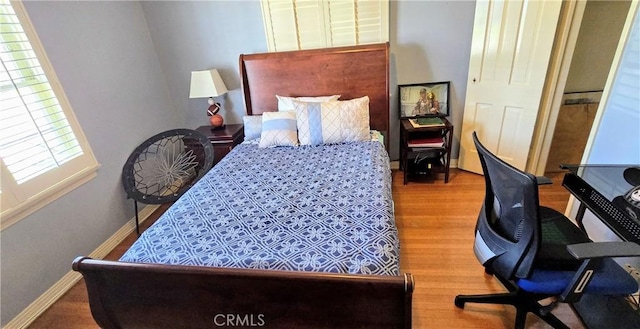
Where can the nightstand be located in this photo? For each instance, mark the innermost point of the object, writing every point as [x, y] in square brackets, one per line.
[417, 162]
[223, 139]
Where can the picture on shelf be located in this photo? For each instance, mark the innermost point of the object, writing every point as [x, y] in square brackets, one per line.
[424, 100]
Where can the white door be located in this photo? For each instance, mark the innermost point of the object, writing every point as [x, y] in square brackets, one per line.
[510, 52]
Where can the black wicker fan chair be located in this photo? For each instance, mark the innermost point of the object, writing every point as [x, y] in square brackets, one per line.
[165, 166]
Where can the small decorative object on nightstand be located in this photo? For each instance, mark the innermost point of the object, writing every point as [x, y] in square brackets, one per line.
[223, 139]
[209, 84]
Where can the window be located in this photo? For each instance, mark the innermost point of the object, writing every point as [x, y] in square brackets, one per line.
[43, 153]
[307, 24]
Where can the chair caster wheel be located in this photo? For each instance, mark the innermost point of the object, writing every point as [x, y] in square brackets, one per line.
[459, 302]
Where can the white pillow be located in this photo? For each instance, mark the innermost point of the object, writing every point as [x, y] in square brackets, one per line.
[286, 103]
[252, 127]
[278, 129]
[333, 122]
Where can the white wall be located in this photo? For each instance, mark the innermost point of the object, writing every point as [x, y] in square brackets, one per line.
[106, 63]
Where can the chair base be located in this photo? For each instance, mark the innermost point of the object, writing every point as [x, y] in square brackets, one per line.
[523, 301]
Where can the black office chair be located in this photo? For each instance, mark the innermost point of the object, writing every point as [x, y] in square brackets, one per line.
[536, 252]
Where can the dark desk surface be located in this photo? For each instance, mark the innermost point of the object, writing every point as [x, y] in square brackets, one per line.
[602, 189]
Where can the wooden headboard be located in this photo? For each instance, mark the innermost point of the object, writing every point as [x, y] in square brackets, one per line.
[351, 72]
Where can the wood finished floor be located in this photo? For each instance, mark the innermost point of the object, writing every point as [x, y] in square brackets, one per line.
[436, 223]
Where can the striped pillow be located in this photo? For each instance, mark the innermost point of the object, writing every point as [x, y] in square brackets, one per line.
[333, 122]
[278, 129]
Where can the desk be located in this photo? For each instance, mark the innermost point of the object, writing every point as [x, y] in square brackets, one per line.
[601, 189]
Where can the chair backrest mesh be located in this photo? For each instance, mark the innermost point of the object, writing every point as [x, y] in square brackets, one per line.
[511, 211]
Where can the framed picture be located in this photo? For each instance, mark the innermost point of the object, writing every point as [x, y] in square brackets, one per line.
[424, 100]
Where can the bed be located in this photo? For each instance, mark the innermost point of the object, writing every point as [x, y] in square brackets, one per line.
[276, 237]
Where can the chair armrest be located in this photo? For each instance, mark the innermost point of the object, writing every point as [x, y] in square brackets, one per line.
[591, 254]
[604, 249]
[544, 180]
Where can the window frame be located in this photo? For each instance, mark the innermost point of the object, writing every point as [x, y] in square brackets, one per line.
[18, 201]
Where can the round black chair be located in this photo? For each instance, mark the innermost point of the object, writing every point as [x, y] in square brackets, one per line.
[165, 166]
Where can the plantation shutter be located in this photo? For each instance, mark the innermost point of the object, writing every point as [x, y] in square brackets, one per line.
[310, 17]
[40, 148]
[307, 24]
[281, 22]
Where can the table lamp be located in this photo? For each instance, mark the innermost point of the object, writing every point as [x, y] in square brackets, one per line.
[208, 84]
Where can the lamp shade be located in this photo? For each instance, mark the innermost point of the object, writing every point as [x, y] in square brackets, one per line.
[206, 84]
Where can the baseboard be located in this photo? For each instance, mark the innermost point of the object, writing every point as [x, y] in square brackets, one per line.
[42, 303]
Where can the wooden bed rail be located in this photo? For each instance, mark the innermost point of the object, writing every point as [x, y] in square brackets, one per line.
[136, 295]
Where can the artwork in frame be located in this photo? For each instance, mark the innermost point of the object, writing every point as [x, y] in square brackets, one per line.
[424, 100]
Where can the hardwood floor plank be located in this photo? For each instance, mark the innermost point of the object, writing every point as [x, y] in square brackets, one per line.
[435, 223]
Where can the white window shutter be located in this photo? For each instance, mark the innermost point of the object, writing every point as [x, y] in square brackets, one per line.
[342, 22]
[307, 24]
[373, 21]
[43, 152]
[310, 19]
[280, 24]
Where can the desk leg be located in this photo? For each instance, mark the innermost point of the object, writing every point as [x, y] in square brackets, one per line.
[580, 217]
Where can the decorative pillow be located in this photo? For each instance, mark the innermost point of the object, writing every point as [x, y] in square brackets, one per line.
[333, 122]
[278, 129]
[286, 103]
[252, 127]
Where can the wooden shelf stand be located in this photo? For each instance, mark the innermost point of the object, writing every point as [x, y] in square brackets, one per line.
[424, 162]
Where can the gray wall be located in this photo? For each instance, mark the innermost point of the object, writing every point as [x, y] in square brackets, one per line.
[430, 41]
[125, 67]
[200, 35]
[106, 63]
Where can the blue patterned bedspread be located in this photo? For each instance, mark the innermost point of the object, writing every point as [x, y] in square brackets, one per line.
[324, 208]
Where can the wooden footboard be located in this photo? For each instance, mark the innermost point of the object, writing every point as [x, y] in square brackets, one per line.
[128, 295]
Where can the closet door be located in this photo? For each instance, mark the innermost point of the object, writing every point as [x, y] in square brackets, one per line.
[510, 51]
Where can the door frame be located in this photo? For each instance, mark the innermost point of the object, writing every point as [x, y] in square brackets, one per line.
[564, 45]
[572, 205]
